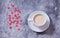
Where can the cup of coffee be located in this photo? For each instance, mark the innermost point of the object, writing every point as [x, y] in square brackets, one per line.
[38, 21]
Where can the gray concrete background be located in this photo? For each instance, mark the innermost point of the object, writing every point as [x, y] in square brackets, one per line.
[51, 7]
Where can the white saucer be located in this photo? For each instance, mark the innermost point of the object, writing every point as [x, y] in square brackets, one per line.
[41, 28]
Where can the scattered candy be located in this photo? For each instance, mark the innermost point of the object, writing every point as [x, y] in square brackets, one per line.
[17, 21]
[10, 27]
[12, 5]
[8, 7]
[20, 20]
[18, 29]
[18, 17]
[11, 12]
[10, 22]
[18, 11]
[15, 9]
[14, 16]
[16, 25]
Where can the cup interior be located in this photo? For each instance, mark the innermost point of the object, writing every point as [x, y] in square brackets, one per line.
[39, 19]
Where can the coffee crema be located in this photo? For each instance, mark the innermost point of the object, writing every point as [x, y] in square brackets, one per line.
[39, 19]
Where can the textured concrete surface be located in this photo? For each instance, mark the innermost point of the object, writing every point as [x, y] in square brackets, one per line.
[51, 7]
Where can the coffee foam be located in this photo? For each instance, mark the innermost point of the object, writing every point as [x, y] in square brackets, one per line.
[39, 19]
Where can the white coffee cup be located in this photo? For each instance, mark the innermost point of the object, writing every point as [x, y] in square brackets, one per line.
[39, 25]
